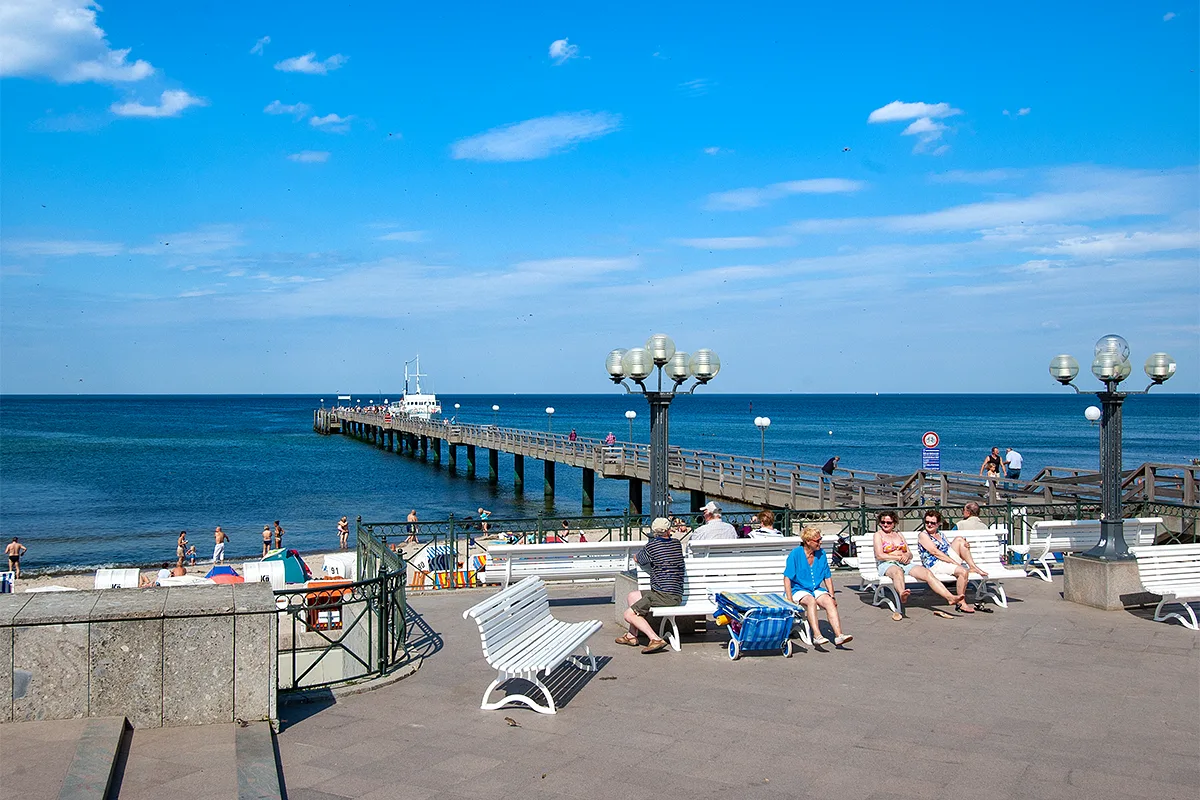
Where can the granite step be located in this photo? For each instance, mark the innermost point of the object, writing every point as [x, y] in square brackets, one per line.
[70, 759]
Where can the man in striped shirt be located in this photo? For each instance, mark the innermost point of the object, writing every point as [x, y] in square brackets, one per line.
[662, 557]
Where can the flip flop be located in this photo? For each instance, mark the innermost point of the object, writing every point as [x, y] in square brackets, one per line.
[897, 616]
[984, 607]
[963, 608]
[942, 614]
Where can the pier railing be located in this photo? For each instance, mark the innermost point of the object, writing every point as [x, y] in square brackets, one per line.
[347, 631]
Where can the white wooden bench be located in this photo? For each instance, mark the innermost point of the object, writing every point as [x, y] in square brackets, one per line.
[705, 576]
[720, 548]
[1171, 571]
[1075, 536]
[987, 547]
[507, 563]
[521, 639]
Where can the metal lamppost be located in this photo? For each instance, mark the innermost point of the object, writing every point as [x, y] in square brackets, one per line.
[549, 419]
[1111, 366]
[639, 364]
[762, 423]
[631, 416]
[495, 416]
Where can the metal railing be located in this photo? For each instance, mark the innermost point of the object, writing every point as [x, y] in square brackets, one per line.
[349, 630]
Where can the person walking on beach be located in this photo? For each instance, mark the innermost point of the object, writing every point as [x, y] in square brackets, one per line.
[714, 527]
[662, 557]
[181, 548]
[483, 519]
[278, 535]
[266, 540]
[343, 532]
[14, 551]
[808, 582]
[412, 527]
[219, 540]
[992, 464]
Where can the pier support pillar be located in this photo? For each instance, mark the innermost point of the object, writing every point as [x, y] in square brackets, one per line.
[453, 457]
[390, 439]
[519, 473]
[424, 447]
[470, 461]
[437, 451]
[635, 496]
[548, 478]
[698, 500]
[493, 466]
[589, 488]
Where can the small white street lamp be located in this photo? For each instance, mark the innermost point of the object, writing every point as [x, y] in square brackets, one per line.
[495, 416]
[550, 419]
[631, 416]
[762, 423]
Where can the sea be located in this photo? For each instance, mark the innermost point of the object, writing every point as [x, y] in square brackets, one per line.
[90, 481]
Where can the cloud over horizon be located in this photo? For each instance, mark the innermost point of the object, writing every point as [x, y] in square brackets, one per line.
[60, 40]
[309, 65]
[171, 103]
[536, 138]
[755, 197]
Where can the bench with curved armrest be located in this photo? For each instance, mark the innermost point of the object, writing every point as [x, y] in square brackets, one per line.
[1171, 571]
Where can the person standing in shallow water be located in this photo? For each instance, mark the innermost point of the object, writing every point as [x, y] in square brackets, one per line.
[219, 540]
[343, 529]
[14, 551]
[266, 539]
[278, 535]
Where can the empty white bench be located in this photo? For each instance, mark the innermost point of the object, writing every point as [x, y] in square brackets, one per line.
[705, 576]
[107, 578]
[521, 639]
[1076, 536]
[507, 563]
[1171, 571]
[987, 547]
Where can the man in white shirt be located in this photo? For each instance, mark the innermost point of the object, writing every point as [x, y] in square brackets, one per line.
[713, 527]
[1012, 465]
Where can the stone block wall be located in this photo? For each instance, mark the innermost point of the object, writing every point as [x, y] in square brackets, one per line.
[160, 656]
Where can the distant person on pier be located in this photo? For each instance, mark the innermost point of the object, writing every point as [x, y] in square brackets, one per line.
[14, 551]
[412, 527]
[278, 535]
[662, 557]
[343, 528]
[992, 464]
[219, 540]
[714, 527]
[808, 582]
[970, 520]
[266, 539]
[1013, 461]
[830, 466]
[610, 439]
[572, 436]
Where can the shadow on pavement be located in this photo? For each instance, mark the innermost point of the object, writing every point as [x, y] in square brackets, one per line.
[566, 681]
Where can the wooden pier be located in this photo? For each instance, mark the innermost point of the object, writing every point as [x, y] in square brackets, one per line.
[742, 479]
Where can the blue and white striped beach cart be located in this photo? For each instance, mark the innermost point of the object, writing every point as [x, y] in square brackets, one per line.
[758, 621]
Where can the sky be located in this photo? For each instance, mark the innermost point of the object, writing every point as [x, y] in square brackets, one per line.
[864, 197]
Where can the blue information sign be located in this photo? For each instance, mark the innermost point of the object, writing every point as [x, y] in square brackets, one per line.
[931, 458]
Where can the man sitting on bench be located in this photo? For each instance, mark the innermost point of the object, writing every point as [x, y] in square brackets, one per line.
[662, 557]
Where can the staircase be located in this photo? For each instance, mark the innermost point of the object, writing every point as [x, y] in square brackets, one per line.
[105, 759]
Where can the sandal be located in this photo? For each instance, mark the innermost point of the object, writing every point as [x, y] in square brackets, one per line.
[963, 608]
[897, 616]
[984, 607]
[654, 646]
[942, 614]
[627, 639]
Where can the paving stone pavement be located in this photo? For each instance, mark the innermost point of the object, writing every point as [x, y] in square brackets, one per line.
[1044, 700]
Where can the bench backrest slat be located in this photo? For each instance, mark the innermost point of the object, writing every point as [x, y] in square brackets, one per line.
[507, 615]
[1168, 565]
[1072, 536]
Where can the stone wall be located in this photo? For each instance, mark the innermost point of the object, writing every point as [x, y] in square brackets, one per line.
[160, 656]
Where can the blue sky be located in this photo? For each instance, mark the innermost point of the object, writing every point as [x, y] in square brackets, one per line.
[835, 199]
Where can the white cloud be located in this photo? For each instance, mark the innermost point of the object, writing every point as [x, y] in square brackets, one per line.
[1122, 243]
[536, 138]
[736, 242]
[927, 132]
[63, 248]
[203, 241]
[403, 236]
[976, 176]
[562, 51]
[260, 44]
[754, 197]
[695, 87]
[309, 65]
[296, 110]
[712, 151]
[310, 156]
[1167, 17]
[172, 103]
[1021, 112]
[332, 123]
[60, 39]
[898, 111]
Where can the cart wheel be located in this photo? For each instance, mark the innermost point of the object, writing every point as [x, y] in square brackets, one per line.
[735, 650]
[787, 649]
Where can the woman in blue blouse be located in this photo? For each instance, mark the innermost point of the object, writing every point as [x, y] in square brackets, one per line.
[809, 583]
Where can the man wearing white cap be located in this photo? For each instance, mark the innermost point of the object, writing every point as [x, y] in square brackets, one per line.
[713, 527]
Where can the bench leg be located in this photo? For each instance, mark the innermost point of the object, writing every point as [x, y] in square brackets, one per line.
[987, 588]
[886, 593]
[673, 636]
[512, 699]
[586, 661]
[802, 629]
[1188, 622]
[1040, 568]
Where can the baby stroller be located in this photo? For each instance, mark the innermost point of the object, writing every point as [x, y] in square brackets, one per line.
[756, 621]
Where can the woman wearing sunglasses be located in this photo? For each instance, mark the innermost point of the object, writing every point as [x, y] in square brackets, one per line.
[944, 558]
[894, 561]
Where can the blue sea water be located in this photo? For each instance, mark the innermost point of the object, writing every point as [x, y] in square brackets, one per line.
[86, 481]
